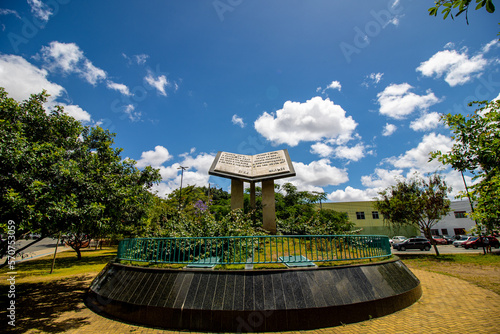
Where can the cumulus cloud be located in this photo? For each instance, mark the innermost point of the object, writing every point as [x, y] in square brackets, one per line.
[426, 122]
[154, 158]
[334, 85]
[322, 149]
[381, 178]
[396, 101]
[317, 174]
[389, 129]
[196, 174]
[159, 82]
[21, 79]
[418, 158]
[313, 120]
[236, 120]
[457, 67]
[350, 194]
[350, 153]
[68, 59]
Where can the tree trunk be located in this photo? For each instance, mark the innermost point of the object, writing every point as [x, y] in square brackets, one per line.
[428, 235]
[78, 253]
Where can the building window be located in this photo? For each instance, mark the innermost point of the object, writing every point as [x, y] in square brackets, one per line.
[460, 214]
[444, 231]
[434, 231]
[360, 215]
[459, 231]
[375, 215]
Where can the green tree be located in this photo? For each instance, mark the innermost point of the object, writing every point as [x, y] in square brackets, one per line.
[416, 202]
[477, 150]
[57, 175]
[460, 6]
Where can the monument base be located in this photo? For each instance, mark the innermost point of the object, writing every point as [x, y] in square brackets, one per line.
[253, 300]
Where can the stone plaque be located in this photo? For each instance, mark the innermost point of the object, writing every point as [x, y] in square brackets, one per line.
[269, 165]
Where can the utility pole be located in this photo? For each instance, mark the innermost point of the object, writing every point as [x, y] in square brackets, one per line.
[180, 191]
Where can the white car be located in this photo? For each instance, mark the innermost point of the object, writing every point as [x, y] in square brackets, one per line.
[398, 239]
[459, 242]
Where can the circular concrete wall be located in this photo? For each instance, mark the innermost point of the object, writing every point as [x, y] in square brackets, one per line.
[253, 300]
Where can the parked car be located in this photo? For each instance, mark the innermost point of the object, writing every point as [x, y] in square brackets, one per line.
[413, 243]
[459, 242]
[439, 240]
[397, 239]
[476, 242]
[449, 239]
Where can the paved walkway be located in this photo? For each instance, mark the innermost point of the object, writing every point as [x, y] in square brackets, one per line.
[448, 305]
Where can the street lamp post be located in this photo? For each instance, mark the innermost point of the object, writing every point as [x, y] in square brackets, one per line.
[180, 191]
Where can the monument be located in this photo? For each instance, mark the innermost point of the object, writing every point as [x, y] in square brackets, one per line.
[263, 167]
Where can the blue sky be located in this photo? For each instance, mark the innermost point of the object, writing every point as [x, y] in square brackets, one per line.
[353, 90]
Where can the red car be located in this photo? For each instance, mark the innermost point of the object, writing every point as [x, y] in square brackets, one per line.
[476, 242]
[439, 240]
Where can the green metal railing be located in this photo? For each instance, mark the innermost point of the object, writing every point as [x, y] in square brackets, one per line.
[254, 249]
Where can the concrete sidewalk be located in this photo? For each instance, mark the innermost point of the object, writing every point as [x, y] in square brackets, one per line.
[448, 305]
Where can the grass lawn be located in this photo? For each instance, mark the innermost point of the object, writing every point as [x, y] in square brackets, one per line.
[479, 269]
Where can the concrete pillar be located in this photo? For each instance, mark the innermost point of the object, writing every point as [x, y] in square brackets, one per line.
[268, 206]
[252, 195]
[236, 194]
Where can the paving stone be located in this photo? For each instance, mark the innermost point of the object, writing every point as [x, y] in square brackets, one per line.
[448, 305]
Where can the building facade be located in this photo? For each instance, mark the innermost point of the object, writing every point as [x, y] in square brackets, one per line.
[364, 215]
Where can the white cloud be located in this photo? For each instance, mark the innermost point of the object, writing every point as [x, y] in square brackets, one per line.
[381, 178]
[351, 153]
[426, 122]
[40, 10]
[141, 59]
[160, 82]
[322, 149]
[196, 174]
[397, 101]
[389, 129]
[133, 115]
[313, 120]
[372, 79]
[317, 174]
[350, 194]
[236, 120]
[154, 158]
[4, 11]
[457, 67]
[76, 112]
[123, 89]
[69, 59]
[21, 79]
[334, 85]
[418, 158]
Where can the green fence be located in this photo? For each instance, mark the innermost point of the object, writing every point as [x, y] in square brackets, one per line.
[254, 249]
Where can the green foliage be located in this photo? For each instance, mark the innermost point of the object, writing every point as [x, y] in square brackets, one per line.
[415, 202]
[477, 150]
[57, 175]
[461, 6]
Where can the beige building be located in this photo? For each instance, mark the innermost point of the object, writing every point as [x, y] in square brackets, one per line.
[366, 217]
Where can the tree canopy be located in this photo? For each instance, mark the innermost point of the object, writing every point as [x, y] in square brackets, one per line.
[416, 202]
[57, 175]
[477, 150]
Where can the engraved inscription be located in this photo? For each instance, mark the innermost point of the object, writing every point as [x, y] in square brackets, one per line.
[253, 166]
